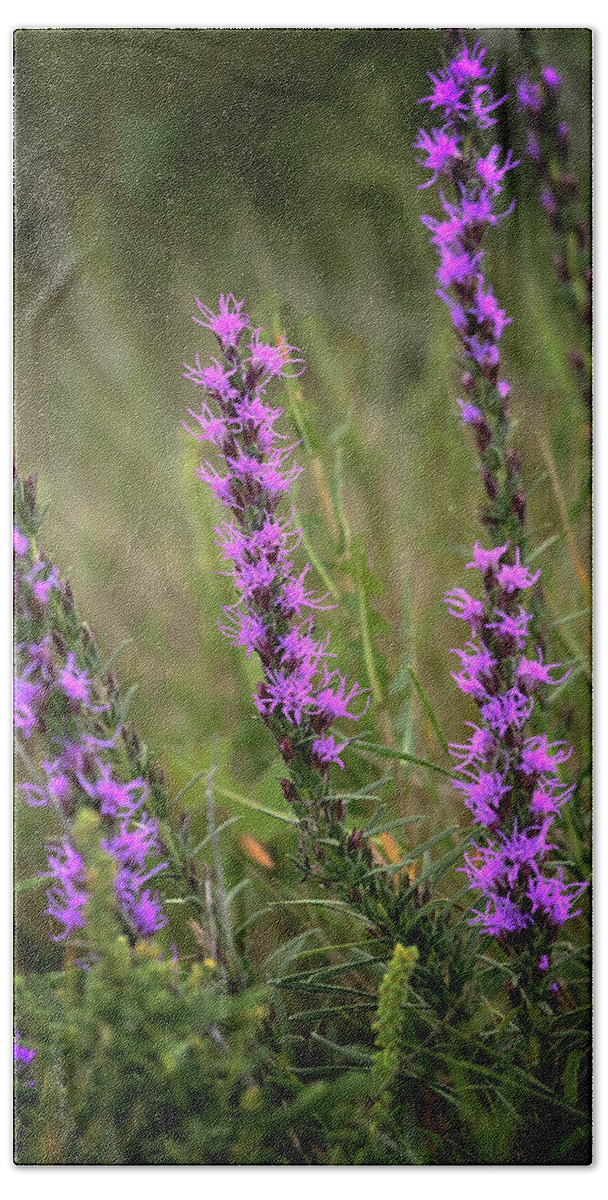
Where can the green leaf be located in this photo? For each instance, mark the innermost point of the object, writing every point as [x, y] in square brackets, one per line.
[385, 752]
[550, 541]
[429, 710]
[189, 784]
[340, 905]
[227, 794]
[358, 1054]
[573, 1063]
[379, 825]
[107, 666]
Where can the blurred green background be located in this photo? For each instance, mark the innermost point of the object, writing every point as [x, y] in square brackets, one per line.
[156, 165]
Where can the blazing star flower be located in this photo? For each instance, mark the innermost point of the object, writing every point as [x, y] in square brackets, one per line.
[467, 65]
[489, 171]
[76, 684]
[68, 896]
[446, 94]
[298, 697]
[482, 109]
[509, 781]
[115, 799]
[228, 325]
[131, 847]
[474, 178]
[326, 750]
[441, 149]
[80, 768]
[271, 362]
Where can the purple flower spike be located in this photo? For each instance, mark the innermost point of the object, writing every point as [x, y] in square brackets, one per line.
[510, 782]
[473, 177]
[298, 698]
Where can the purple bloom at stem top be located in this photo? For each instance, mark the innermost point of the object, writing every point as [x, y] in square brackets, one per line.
[301, 693]
[510, 780]
[471, 173]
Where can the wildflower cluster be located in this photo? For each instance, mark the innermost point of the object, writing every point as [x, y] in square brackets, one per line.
[300, 695]
[472, 175]
[510, 781]
[59, 704]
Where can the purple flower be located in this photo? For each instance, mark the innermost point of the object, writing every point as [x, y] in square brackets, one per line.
[481, 109]
[447, 94]
[67, 897]
[463, 606]
[21, 544]
[441, 149]
[532, 672]
[486, 561]
[271, 362]
[326, 750]
[298, 697]
[552, 79]
[514, 577]
[489, 171]
[508, 710]
[21, 1054]
[548, 202]
[468, 64]
[529, 96]
[27, 700]
[474, 177]
[553, 897]
[115, 799]
[75, 683]
[228, 324]
[501, 916]
[533, 148]
[536, 759]
[470, 413]
[503, 775]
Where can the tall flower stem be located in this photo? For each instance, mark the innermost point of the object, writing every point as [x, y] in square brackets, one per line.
[510, 777]
[299, 697]
[72, 717]
[458, 153]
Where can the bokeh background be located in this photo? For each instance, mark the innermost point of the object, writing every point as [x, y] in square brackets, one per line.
[156, 165]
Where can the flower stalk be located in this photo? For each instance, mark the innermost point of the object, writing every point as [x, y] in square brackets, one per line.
[472, 172]
[299, 696]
